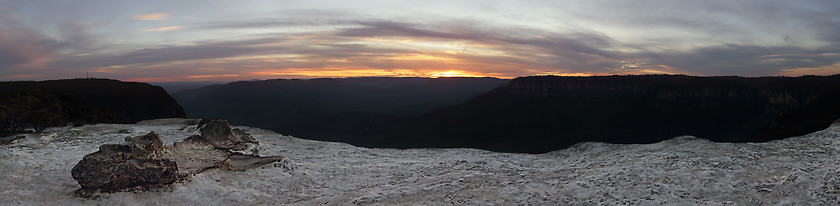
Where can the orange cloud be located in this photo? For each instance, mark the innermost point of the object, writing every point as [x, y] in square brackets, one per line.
[329, 72]
[150, 17]
[454, 73]
[169, 28]
[823, 70]
[351, 72]
[104, 71]
[423, 57]
[211, 76]
[568, 74]
[20, 76]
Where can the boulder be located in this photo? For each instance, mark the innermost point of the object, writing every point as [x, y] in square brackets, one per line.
[143, 162]
[214, 147]
[219, 133]
[137, 163]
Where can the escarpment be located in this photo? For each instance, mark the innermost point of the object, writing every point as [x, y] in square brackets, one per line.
[41, 104]
[543, 113]
[778, 95]
[532, 114]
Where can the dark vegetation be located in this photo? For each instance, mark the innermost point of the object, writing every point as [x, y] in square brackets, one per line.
[41, 104]
[528, 114]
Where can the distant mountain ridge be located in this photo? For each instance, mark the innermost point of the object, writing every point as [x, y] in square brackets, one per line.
[39, 104]
[544, 113]
[527, 114]
[324, 107]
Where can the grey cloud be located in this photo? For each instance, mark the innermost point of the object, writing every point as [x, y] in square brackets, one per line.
[227, 49]
[524, 42]
[570, 45]
[207, 50]
[266, 23]
[591, 52]
[287, 19]
[744, 59]
[573, 51]
[389, 28]
[24, 49]
[829, 28]
[20, 45]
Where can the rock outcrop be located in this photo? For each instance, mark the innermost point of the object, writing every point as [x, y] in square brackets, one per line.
[219, 133]
[137, 163]
[143, 162]
[218, 146]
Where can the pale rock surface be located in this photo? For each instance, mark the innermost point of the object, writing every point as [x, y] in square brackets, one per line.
[681, 171]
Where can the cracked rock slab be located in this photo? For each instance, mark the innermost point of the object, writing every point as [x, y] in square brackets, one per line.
[137, 163]
[143, 162]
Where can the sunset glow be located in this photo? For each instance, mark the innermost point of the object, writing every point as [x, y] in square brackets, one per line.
[151, 17]
[232, 40]
[451, 73]
[338, 72]
[168, 28]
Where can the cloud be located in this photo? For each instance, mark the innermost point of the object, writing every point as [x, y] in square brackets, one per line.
[358, 46]
[706, 38]
[175, 53]
[22, 46]
[27, 53]
[750, 60]
[168, 28]
[665, 38]
[151, 17]
[388, 48]
[526, 46]
[205, 76]
[592, 52]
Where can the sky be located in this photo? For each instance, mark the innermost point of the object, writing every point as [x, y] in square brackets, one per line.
[203, 40]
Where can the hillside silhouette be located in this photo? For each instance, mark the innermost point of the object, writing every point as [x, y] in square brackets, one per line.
[545, 113]
[528, 114]
[41, 104]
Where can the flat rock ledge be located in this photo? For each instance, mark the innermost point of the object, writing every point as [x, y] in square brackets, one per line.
[143, 162]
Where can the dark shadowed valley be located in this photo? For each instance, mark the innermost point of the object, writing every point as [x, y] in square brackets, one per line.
[527, 114]
[321, 108]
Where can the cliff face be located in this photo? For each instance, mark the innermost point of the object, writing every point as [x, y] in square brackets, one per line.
[777, 95]
[538, 114]
[814, 116]
[30, 104]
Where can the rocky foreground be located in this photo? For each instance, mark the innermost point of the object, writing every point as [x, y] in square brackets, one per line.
[143, 162]
[680, 171]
